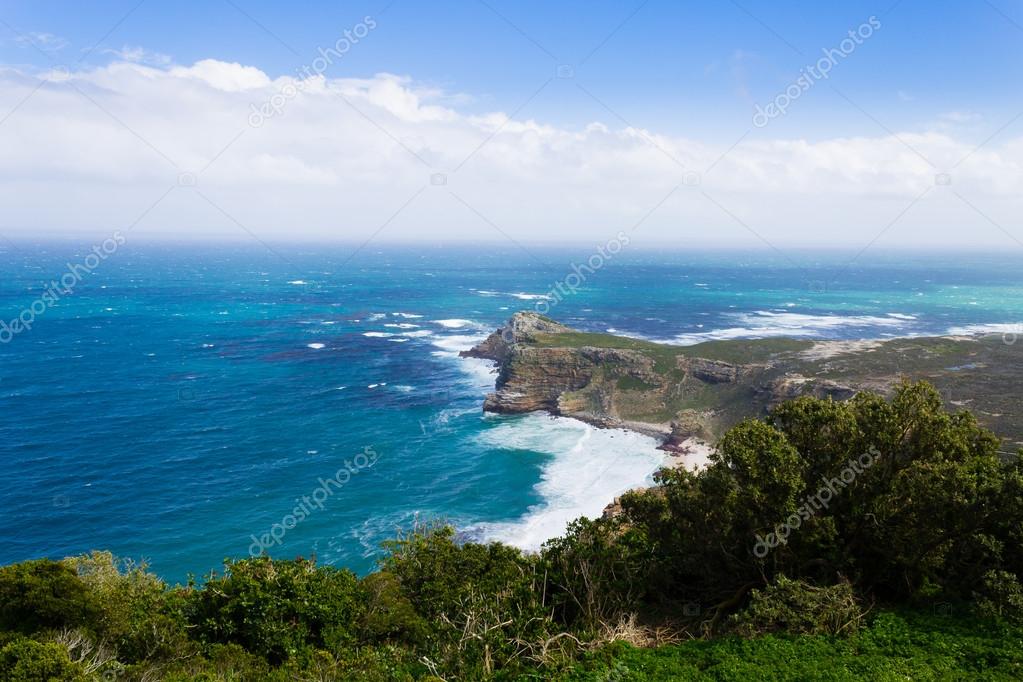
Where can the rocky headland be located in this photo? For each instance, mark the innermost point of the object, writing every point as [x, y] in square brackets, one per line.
[690, 394]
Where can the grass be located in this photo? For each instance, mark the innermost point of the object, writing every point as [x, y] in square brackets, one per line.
[664, 355]
[895, 646]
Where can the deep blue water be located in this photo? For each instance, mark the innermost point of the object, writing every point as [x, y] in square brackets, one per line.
[184, 399]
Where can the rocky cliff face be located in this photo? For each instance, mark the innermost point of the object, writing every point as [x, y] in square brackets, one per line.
[546, 366]
[699, 391]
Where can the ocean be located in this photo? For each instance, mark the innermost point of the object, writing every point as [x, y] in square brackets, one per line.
[184, 403]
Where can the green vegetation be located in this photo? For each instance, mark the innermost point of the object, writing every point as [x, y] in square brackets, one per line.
[737, 351]
[741, 571]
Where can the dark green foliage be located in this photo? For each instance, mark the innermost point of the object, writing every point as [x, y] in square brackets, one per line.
[485, 603]
[26, 660]
[904, 499]
[276, 608]
[796, 607]
[40, 594]
[597, 571]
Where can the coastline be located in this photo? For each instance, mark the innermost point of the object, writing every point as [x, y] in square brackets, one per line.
[686, 397]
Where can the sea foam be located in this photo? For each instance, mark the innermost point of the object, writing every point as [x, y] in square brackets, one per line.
[586, 469]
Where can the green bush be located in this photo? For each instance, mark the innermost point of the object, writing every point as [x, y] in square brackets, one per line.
[136, 612]
[26, 660]
[41, 594]
[276, 608]
[1000, 596]
[797, 607]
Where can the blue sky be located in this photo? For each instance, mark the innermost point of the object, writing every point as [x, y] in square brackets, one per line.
[541, 120]
[679, 67]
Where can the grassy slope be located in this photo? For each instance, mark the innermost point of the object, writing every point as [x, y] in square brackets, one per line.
[896, 646]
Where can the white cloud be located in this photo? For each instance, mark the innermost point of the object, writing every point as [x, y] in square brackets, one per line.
[140, 55]
[338, 157]
[43, 41]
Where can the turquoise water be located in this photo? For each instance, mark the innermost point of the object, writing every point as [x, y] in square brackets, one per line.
[185, 403]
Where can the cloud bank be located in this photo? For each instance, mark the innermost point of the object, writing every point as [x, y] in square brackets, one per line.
[232, 152]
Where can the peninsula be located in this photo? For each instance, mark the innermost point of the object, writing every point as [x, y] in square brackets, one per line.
[679, 393]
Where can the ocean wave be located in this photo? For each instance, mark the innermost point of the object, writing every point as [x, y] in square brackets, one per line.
[378, 335]
[1013, 328]
[764, 323]
[480, 373]
[316, 346]
[455, 323]
[587, 469]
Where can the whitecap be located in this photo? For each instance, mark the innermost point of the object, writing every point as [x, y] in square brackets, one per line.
[316, 346]
[407, 316]
[764, 323]
[298, 281]
[455, 323]
[377, 335]
[402, 325]
[993, 328]
[585, 470]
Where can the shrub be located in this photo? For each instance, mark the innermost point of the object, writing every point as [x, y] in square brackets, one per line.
[136, 612]
[276, 608]
[26, 660]
[1001, 595]
[797, 607]
[41, 594]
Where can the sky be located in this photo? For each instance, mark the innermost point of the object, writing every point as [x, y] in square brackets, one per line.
[715, 123]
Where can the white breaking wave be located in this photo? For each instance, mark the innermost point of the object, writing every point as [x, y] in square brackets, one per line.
[480, 372]
[762, 323]
[995, 328]
[588, 468]
[402, 325]
[455, 324]
[316, 346]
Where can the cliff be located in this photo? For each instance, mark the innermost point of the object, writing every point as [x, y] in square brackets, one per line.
[681, 392]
